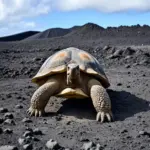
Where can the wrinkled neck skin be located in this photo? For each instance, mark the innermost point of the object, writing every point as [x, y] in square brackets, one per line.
[73, 75]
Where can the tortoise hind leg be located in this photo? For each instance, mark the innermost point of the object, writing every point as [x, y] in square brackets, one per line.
[41, 97]
[101, 101]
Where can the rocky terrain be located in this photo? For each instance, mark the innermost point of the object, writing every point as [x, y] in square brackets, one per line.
[124, 52]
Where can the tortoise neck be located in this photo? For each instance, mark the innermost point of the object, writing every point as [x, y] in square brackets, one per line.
[73, 82]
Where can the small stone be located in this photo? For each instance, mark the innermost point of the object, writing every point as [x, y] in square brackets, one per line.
[36, 59]
[127, 66]
[129, 51]
[144, 133]
[19, 106]
[58, 118]
[28, 146]
[8, 147]
[1, 130]
[112, 50]
[139, 117]
[35, 139]
[82, 139]
[129, 72]
[68, 122]
[128, 86]
[8, 96]
[45, 122]
[117, 53]
[106, 47]
[29, 129]
[8, 131]
[1, 120]
[88, 146]
[124, 131]
[135, 64]
[19, 97]
[60, 132]
[52, 145]
[142, 147]
[143, 62]
[110, 56]
[141, 132]
[31, 138]
[9, 121]
[37, 131]
[8, 115]
[128, 57]
[128, 137]
[119, 84]
[98, 147]
[29, 87]
[3, 110]
[27, 120]
[27, 133]
[23, 141]
[147, 54]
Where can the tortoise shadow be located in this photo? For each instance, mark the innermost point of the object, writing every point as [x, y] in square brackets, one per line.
[124, 105]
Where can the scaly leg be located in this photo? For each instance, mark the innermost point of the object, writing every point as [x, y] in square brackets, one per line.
[41, 97]
[101, 101]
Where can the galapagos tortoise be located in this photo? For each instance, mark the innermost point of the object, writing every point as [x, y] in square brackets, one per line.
[72, 73]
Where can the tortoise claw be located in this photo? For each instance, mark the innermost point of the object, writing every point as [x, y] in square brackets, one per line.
[103, 116]
[35, 112]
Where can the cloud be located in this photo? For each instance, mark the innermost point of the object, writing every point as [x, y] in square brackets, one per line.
[17, 27]
[22, 24]
[14, 10]
[14, 14]
[104, 5]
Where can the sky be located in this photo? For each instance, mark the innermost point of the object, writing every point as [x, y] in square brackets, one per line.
[38, 15]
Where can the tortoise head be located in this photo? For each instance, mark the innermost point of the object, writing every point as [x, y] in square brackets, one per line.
[73, 73]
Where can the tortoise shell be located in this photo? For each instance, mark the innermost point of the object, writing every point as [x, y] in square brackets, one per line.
[57, 63]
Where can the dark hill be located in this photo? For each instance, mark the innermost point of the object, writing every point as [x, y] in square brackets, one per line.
[91, 34]
[50, 33]
[75, 28]
[88, 30]
[18, 37]
[93, 31]
[91, 27]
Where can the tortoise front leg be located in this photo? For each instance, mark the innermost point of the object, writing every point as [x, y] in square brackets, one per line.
[101, 101]
[41, 97]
